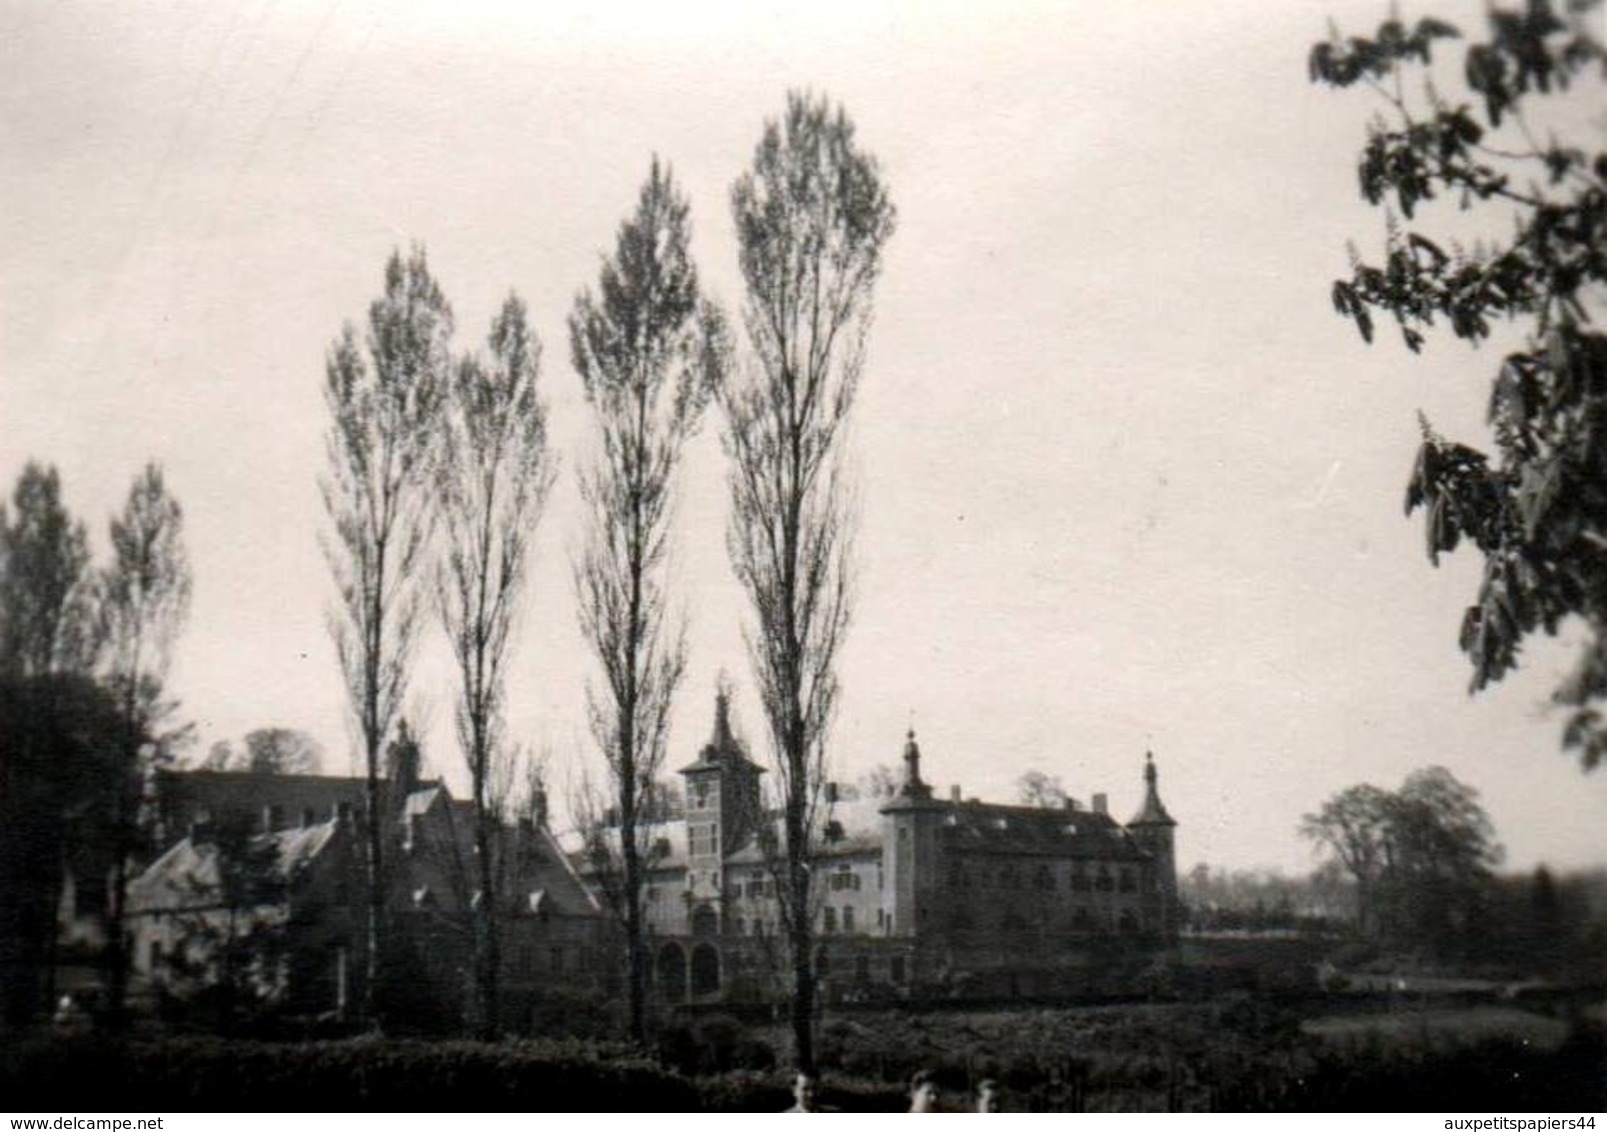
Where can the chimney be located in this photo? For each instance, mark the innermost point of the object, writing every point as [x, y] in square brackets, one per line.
[831, 793]
[954, 792]
[1101, 804]
[402, 759]
[538, 803]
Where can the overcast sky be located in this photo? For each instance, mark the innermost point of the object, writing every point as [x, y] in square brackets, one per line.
[1127, 482]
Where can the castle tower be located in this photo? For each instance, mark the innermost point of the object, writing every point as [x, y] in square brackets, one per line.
[723, 809]
[910, 848]
[1152, 828]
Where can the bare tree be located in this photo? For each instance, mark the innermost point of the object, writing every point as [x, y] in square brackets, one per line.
[648, 351]
[494, 475]
[385, 413]
[812, 216]
[144, 598]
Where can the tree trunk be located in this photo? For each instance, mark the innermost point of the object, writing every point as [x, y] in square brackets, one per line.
[373, 929]
[803, 981]
[489, 957]
[635, 944]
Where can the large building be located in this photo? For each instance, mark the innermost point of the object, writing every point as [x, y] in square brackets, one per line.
[915, 895]
[261, 882]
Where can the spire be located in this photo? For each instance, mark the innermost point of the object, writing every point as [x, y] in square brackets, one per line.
[1153, 812]
[913, 787]
[722, 718]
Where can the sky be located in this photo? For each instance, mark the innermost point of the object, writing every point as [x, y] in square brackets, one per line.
[1126, 482]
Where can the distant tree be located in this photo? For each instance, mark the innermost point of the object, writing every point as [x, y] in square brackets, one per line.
[1354, 827]
[267, 750]
[1035, 788]
[495, 469]
[880, 781]
[812, 217]
[1537, 510]
[144, 600]
[385, 416]
[648, 351]
[1421, 856]
[45, 612]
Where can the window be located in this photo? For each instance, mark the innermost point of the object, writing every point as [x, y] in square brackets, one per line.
[1126, 881]
[702, 794]
[829, 920]
[703, 839]
[1102, 882]
[862, 968]
[1079, 880]
[848, 917]
[896, 968]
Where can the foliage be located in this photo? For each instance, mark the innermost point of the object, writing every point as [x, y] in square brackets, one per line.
[354, 1075]
[494, 472]
[60, 777]
[649, 352]
[267, 750]
[45, 612]
[143, 601]
[1421, 856]
[384, 417]
[1536, 509]
[812, 217]
[228, 907]
[1035, 788]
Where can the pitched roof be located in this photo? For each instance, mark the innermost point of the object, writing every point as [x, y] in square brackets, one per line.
[189, 875]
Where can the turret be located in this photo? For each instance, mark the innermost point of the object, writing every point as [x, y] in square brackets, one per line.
[1152, 829]
[912, 786]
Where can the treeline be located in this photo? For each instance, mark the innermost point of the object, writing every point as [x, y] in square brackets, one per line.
[84, 650]
[439, 463]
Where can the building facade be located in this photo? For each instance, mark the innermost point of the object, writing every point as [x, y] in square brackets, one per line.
[915, 895]
[261, 885]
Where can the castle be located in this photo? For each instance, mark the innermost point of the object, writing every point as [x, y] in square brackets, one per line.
[915, 895]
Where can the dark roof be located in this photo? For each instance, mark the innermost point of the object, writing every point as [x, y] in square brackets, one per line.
[977, 827]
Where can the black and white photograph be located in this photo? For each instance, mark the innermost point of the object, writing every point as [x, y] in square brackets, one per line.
[803, 557]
